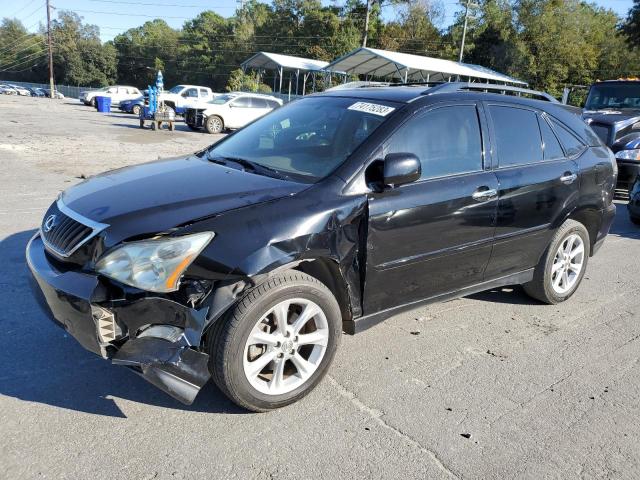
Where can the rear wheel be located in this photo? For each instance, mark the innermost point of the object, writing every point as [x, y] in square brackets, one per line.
[136, 110]
[563, 265]
[214, 124]
[277, 343]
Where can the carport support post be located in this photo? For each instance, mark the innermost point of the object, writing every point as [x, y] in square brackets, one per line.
[281, 73]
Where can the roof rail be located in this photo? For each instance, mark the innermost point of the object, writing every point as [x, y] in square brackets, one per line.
[448, 87]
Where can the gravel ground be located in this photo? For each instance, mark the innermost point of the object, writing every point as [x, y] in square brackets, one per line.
[491, 386]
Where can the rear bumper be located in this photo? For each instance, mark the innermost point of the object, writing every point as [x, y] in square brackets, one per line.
[608, 215]
[71, 299]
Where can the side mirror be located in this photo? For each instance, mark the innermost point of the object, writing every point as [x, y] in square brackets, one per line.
[401, 168]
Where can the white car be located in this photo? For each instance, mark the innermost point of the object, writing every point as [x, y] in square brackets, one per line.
[117, 93]
[7, 90]
[231, 110]
[21, 90]
[181, 97]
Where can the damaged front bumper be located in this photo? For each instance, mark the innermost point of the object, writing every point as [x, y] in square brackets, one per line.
[155, 336]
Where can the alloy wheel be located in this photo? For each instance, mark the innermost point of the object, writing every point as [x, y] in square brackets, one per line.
[567, 264]
[286, 346]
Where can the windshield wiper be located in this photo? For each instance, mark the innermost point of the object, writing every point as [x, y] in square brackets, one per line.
[250, 166]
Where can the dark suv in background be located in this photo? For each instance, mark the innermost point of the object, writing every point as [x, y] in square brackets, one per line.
[243, 262]
[612, 110]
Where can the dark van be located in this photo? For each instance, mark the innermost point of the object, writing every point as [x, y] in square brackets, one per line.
[244, 262]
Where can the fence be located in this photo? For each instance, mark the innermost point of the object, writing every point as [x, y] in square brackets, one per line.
[66, 90]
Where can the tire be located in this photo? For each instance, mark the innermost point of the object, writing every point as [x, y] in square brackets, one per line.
[214, 124]
[546, 286]
[92, 102]
[230, 346]
[136, 110]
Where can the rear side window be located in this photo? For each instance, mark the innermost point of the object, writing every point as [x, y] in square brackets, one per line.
[203, 92]
[446, 140]
[572, 145]
[517, 136]
[258, 102]
[552, 148]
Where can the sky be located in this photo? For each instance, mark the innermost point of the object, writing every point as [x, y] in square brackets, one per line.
[116, 16]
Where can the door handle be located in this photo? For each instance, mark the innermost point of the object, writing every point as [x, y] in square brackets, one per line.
[484, 193]
[568, 178]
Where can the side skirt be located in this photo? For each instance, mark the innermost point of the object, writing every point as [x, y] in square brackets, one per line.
[365, 322]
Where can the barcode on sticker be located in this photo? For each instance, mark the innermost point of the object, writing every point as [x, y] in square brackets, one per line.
[374, 108]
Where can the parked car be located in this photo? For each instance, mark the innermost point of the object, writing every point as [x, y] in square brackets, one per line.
[56, 93]
[133, 106]
[22, 91]
[244, 261]
[7, 90]
[612, 110]
[117, 94]
[181, 97]
[231, 110]
[36, 92]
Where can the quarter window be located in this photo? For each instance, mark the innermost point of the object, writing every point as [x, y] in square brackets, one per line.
[552, 148]
[517, 134]
[569, 141]
[446, 140]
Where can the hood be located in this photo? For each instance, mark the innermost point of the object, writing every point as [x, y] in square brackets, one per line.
[160, 195]
[620, 118]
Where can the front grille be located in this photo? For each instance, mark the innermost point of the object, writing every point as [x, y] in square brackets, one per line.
[64, 232]
[602, 131]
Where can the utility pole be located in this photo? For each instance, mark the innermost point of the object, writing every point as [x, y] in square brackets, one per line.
[51, 94]
[467, 6]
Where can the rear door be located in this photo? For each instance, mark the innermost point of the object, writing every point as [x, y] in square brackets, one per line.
[434, 235]
[539, 185]
[239, 113]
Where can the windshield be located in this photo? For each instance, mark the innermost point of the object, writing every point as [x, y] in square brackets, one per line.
[176, 89]
[307, 139]
[222, 99]
[613, 95]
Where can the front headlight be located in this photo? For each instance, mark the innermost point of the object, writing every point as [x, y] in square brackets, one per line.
[153, 265]
[629, 154]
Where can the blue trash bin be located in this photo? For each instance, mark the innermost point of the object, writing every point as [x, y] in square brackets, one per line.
[103, 104]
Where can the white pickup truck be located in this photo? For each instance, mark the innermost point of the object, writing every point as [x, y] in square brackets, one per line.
[117, 93]
[181, 97]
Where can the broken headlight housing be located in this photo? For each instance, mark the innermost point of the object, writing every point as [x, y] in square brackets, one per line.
[153, 265]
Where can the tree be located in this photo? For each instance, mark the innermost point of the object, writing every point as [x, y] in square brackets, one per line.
[631, 26]
[22, 54]
[246, 82]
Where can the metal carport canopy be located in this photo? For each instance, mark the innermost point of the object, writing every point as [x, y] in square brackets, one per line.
[276, 61]
[406, 67]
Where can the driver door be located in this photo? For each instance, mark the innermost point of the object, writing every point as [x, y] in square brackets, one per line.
[435, 235]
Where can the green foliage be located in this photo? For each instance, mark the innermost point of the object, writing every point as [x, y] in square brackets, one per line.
[246, 82]
[548, 43]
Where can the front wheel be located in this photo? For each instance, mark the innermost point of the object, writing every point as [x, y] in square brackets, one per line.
[277, 342]
[136, 110]
[214, 124]
[563, 265]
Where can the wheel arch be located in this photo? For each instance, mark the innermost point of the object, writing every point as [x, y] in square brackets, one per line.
[591, 218]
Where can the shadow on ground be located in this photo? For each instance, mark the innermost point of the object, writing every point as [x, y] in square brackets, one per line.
[42, 363]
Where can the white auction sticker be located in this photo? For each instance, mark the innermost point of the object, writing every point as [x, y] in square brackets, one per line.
[374, 108]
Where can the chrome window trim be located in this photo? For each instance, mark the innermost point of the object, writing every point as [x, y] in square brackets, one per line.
[96, 228]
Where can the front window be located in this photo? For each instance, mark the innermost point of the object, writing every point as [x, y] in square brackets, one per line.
[177, 89]
[222, 99]
[613, 96]
[307, 139]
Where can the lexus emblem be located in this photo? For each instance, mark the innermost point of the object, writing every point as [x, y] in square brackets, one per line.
[49, 223]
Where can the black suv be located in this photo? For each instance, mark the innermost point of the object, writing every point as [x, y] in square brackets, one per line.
[243, 262]
[612, 110]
